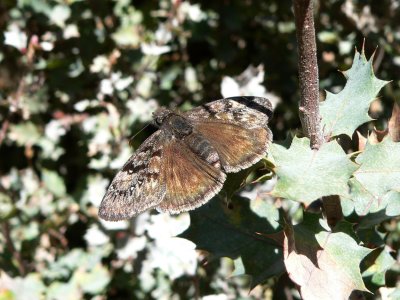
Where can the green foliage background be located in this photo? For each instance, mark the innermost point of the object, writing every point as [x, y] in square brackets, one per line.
[91, 76]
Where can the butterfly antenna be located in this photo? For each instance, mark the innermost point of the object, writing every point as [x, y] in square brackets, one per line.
[131, 139]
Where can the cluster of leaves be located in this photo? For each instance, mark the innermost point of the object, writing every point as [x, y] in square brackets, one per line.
[79, 77]
[324, 262]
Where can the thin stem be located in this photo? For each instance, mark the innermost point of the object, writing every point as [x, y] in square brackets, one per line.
[309, 91]
[10, 245]
[3, 130]
[308, 72]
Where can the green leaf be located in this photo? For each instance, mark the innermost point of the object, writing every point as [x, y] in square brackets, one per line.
[342, 113]
[76, 258]
[371, 210]
[375, 188]
[29, 231]
[92, 281]
[394, 293]
[54, 183]
[7, 207]
[240, 233]
[379, 262]
[6, 295]
[379, 172]
[371, 236]
[305, 175]
[20, 288]
[127, 34]
[24, 134]
[324, 264]
[63, 291]
[39, 6]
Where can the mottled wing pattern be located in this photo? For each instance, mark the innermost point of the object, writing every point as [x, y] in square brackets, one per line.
[248, 112]
[183, 165]
[237, 127]
[190, 180]
[139, 185]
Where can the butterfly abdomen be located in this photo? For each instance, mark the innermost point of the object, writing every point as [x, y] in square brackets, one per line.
[203, 148]
[181, 128]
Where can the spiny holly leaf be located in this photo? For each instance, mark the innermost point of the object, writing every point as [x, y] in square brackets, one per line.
[342, 113]
[323, 264]
[379, 261]
[370, 209]
[305, 175]
[239, 233]
[379, 172]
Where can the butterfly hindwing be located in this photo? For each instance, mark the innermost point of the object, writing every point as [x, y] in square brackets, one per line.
[238, 148]
[139, 185]
[191, 181]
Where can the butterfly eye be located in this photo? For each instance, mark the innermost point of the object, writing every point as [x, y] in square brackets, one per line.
[159, 121]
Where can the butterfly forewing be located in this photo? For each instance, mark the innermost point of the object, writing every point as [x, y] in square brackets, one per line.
[247, 112]
[237, 127]
[139, 185]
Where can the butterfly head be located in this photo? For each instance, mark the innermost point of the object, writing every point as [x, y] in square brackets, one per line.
[160, 115]
[172, 122]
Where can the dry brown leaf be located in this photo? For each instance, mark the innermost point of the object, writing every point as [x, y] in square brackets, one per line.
[362, 141]
[323, 264]
[394, 123]
[377, 136]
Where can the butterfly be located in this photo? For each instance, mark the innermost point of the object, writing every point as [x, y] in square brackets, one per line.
[184, 163]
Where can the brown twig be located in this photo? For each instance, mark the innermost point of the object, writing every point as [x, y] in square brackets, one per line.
[308, 72]
[10, 245]
[380, 54]
[3, 130]
[58, 236]
[309, 91]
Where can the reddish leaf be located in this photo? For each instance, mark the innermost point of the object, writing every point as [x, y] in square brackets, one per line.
[377, 136]
[325, 265]
[394, 124]
[362, 141]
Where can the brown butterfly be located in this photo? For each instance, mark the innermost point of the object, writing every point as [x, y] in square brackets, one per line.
[184, 164]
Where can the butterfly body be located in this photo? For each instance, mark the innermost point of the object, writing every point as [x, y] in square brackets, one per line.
[176, 126]
[184, 164]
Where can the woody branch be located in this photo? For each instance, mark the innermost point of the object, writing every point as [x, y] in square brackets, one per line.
[308, 72]
[309, 91]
